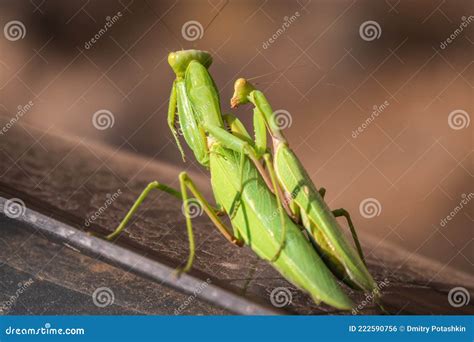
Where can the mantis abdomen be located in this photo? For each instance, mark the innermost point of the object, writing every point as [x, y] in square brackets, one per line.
[320, 222]
[257, 222]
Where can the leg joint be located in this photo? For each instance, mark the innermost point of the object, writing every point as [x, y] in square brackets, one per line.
[341, 212]
[183, 176]
[153, 184]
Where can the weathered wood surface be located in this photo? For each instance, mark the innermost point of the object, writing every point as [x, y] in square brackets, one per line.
[69, 179]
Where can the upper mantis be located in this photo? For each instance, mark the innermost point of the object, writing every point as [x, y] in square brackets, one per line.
[250, 195]
[306, 203]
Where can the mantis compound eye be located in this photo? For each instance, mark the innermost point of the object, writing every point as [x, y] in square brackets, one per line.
[180, 60]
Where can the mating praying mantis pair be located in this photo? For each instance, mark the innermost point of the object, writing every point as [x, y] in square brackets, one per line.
[272, 204]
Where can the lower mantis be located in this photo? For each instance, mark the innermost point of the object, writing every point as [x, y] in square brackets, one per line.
[242, 188]
[305, 202]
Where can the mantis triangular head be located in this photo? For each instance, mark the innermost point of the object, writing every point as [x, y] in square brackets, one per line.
[180, 60]
[242, 90]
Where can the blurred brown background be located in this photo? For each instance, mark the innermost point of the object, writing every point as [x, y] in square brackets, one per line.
[413, 162]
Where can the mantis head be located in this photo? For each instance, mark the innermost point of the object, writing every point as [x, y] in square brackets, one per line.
[242, 90]
[180, 60]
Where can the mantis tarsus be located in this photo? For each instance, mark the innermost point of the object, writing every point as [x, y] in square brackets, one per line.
[249, 194]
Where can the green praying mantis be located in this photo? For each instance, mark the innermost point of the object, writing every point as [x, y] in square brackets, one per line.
[305, 201]
[268, 207]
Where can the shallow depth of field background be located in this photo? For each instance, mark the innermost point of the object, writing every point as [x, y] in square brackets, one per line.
[410, 159]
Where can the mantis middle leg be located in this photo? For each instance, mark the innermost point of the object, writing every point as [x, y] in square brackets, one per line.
[186, 184]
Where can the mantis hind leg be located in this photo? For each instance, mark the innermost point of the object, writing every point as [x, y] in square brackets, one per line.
[153, 185]
[185, 184]
[343, 212]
